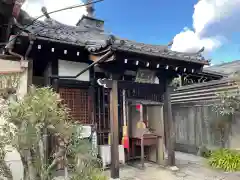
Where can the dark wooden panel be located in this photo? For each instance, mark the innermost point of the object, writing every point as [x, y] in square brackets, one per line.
[102, 114]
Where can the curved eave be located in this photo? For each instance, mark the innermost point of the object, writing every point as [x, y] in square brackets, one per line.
[61, 42]
[46, 39]
[176, 56]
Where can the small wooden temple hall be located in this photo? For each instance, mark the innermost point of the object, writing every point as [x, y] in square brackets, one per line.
[118, 87]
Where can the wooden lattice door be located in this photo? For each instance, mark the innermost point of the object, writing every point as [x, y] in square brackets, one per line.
[78, 101]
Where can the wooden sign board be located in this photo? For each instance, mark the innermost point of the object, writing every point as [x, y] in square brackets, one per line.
[145, 76]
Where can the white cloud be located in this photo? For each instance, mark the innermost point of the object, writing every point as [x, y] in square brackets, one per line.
[69, 17]
[189, 41]
[213, 22]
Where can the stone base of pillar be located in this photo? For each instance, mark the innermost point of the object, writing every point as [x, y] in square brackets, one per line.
[173, 168]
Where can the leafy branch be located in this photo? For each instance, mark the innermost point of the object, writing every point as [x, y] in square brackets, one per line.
[37, 118]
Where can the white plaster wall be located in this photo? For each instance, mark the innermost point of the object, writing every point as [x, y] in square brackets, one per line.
[70, 68]
[13, 160]
[12, 157]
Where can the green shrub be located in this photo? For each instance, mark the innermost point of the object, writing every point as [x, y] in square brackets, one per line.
[225, 159]
[89, 173]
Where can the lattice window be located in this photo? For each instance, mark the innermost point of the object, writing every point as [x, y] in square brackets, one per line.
[77, 101]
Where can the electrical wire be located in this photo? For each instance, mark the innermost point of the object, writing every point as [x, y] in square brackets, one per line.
[63, 9]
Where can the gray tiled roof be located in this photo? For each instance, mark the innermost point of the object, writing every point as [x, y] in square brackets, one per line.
[161, 51]
[190, 87]
[226, 68]
[68, 34]
[217, 73]
[95, 40]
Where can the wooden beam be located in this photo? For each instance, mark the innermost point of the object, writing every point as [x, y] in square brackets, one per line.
[145, 87]
[114, 130]
[169, 126]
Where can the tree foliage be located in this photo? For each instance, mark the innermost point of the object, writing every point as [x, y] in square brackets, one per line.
[227, 105]
[7, 131]
[229, 100]
[176, 82]
[37, 117]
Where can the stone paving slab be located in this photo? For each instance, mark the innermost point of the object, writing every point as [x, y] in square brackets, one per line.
[190, 168]
[149, 173]
[154, 172]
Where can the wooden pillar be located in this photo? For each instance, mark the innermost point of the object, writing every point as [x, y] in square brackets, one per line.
[92, 98]
[30, 74]
[55, 84]
[182, 80]
[47, 73]
[52, 69]
[169, 125]
[114, 130]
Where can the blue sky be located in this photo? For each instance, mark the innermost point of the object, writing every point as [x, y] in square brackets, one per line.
[157, 22]
[192, 24]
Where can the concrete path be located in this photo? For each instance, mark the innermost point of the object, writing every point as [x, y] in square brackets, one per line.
[190, 168]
